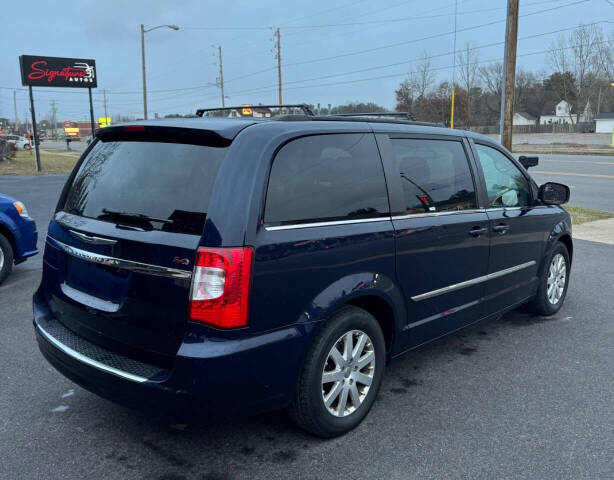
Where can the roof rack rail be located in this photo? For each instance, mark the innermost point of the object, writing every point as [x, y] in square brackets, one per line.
[405, 115]
[304, 107]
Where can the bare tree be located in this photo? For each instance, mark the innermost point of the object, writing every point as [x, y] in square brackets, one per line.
[412, 92]
[581, 55]
[492, 79]
[423, 75]
[468, 63]
[405, 95]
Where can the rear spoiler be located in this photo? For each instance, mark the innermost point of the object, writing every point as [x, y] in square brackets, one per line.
[528, 162]
[164, 134]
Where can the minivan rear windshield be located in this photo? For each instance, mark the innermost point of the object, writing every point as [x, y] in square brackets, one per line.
[146, 180]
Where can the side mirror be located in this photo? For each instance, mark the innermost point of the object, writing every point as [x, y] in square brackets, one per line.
[552, 193]
[528, 162]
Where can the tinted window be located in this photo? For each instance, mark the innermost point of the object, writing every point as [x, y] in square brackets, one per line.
[169, 181]
[326, 177]
[435, 175]
[505, 183]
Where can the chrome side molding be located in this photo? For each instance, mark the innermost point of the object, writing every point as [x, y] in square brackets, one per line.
[325, 224]
[473, 281]
[121, 263]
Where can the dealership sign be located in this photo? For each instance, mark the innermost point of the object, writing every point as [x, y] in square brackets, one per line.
[37, 71]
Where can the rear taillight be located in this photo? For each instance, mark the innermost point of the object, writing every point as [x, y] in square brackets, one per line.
[220, 286]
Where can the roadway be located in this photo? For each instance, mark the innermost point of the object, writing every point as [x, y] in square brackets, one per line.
[590, 178]
[61, 145]
[521, 397]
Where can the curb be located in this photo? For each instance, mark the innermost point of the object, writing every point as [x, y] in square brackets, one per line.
[601, 231]
[563, 150]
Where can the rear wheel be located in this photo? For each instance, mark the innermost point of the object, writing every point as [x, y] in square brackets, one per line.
[342, 374]
[553, 283]
[6, 258]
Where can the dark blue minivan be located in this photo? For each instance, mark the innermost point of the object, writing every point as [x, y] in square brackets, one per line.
[204, 268]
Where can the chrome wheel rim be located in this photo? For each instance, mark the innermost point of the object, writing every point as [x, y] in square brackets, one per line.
[348, 372]
[1, 259]
[557, 276]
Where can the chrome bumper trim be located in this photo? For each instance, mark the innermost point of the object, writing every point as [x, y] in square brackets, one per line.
[88, 361]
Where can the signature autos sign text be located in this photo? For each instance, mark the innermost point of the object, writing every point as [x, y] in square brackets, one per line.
[57, 71]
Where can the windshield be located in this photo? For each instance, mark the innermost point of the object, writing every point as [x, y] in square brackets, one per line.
[167, 181]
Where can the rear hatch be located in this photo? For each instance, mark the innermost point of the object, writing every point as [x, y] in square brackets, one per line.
[120, 250]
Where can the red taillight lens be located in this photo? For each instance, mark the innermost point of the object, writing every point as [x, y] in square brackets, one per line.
[220, 286]
[134, 128]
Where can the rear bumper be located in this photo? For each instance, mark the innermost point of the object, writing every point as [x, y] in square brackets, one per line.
[209, 380]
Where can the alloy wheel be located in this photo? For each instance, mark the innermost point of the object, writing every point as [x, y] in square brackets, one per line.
[348, 373]
[557, 276]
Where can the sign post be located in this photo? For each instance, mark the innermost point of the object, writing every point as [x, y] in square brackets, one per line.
[34, 132]
[91, 111]
[38, 71]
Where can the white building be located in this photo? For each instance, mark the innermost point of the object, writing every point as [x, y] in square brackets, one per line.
[604, 123]
[564, 115]
[523, 118]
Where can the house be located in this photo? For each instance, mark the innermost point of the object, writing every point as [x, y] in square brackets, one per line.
[604, 122]
[523, 118]
[563, 115]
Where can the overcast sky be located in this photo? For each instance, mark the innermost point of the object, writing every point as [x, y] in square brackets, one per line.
[314, 51]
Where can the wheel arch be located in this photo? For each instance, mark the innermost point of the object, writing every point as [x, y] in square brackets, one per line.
[373, 292]
[6, 231]
[565, 239]
[383, 313]
[561, 232]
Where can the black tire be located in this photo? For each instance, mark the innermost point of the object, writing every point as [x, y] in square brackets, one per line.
[308, 409]
[541, 305]
[6, 258]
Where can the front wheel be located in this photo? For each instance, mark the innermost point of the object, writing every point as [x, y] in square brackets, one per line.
[342, 374]
[6, 258]
[553, 283]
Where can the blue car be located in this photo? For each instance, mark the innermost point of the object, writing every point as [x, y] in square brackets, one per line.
[205, 268]
[18, 235]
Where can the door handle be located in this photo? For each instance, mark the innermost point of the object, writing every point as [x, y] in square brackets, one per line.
[477, 231]
[501, 229]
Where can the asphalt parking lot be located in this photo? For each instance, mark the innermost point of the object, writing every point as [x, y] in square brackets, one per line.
[521, 397]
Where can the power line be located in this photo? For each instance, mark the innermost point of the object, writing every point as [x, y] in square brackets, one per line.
[379, 77]
[429, 57]
[398, 44]
[371, 22]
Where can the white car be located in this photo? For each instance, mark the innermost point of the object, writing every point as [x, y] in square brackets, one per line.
[19, 142]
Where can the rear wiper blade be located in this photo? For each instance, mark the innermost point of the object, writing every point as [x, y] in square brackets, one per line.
[139, 217]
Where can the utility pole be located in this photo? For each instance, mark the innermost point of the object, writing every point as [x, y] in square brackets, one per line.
[144, 80]
[53, 118]
[509, 74]
[16, 116]
[104, 97]
[219, 51]
[279, 66]
[453, 66]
